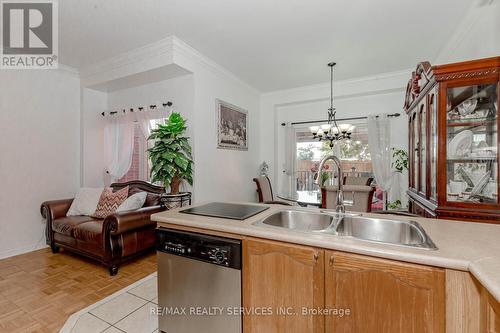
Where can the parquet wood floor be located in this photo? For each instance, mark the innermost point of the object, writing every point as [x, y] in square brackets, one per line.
[40, 290]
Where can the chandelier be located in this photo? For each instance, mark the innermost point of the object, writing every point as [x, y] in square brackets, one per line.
[331, 131]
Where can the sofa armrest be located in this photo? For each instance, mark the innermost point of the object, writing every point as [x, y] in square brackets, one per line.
[119, 223]
[55, 209]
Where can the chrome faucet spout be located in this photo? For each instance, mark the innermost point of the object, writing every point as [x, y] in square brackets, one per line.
[340, 207]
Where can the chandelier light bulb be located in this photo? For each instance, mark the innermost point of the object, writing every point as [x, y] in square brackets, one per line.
[326, 128]
[344, 128]
[314, 129]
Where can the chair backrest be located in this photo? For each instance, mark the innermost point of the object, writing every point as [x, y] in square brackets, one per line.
[264, 188]
[350, 180]
[362, 196]
[135, 186]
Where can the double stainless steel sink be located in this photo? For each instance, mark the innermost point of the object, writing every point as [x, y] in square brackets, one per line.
[398, 232]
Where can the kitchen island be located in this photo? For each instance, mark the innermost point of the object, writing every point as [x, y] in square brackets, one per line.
[455, 288]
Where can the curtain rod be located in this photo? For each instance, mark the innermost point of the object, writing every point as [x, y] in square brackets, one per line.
[139, 108]
[342, 119]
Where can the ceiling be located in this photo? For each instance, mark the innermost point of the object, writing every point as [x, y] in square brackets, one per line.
[270, 44]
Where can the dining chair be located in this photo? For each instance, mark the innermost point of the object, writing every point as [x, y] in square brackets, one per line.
[351, 180]
[357, 198]
[265, 191]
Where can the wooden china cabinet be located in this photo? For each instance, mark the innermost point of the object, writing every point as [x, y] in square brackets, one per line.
[453, 140]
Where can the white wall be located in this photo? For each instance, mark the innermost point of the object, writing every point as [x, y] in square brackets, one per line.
[40, 155]
[92, 137]
[222, 175]
[478, 36]
[179, 90]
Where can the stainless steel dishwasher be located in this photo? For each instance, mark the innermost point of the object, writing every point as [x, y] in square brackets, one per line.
[199, 283]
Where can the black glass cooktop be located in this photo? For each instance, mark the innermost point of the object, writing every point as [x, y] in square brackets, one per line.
[226, 210]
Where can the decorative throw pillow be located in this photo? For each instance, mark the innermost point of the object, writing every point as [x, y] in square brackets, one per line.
[85, 202]
[109, 202]
[135, 201]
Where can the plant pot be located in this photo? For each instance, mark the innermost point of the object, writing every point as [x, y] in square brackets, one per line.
[171, 201]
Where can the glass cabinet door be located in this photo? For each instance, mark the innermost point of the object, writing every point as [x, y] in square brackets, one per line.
[432, 114]
[415, 152]
[472, 141]
[423, 147]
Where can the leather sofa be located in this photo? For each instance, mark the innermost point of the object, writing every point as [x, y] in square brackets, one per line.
[111, 241]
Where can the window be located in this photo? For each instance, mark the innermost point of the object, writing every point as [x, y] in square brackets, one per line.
[354, 155]
[140, 167]
[139, 156]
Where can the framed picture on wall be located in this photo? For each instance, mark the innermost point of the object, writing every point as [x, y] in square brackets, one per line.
[232, 126]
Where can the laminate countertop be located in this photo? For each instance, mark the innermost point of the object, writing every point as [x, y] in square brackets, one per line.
[465, 246]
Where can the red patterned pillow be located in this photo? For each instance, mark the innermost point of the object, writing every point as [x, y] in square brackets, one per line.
[109, 202]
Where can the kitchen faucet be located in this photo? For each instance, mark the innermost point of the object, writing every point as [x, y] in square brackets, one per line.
[340, 207]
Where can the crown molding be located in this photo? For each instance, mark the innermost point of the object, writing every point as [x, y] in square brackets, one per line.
[193, 55]
[68, 69]
[342, 97]
[159, 48]
[132, 62]
[168, 51]
[471, 18]
[383, 83]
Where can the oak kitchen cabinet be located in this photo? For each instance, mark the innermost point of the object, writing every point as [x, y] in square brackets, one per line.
[280, 279]
[382, 295]
[490, 310]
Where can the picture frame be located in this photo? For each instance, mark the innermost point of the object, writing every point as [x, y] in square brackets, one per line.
[232, 126]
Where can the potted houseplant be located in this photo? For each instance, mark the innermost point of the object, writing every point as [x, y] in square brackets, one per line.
[170, 155]
[399, 165]
[323, 178]
[400, 160]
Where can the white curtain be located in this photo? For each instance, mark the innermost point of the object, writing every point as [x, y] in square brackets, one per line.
[118, 146]
[289, 169]
[379, 141]
[148, 120]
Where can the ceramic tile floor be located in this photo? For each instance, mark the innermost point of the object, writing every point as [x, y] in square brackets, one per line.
[128, 310]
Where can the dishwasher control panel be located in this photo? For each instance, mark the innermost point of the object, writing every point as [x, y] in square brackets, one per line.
[215, 250]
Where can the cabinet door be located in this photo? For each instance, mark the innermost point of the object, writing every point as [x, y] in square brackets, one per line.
[282, 279]
[472, 144]
[490, 322]
[415, 151]
[383, 295]
[422, 115]
[432, 137]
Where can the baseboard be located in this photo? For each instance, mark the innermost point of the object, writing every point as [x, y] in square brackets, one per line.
[18, 251]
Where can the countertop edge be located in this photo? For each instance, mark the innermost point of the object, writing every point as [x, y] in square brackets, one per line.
[385, 251]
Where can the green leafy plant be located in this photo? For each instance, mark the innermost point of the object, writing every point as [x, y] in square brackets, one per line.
[400, 160]
[323, 178]
[170, 156]
[394, 205]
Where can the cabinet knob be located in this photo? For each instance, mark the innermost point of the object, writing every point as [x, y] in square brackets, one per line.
[315, 257]
[332, 259]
